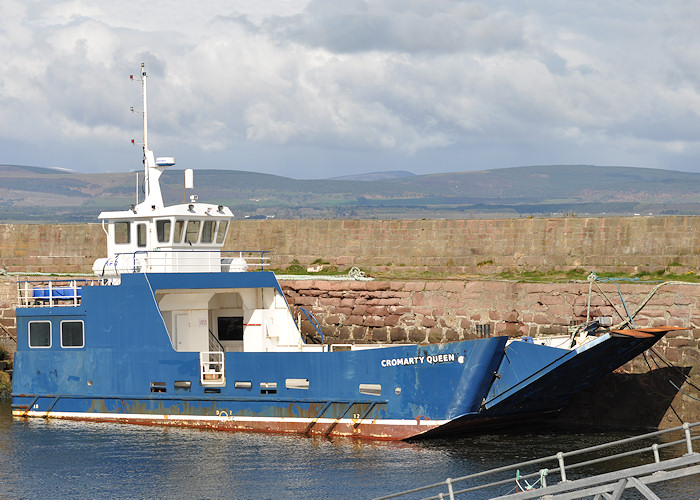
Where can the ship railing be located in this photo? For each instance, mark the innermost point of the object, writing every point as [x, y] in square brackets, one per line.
[214, 344]
[212, 371]
[173, 261]
[680, 460]
[51, 293]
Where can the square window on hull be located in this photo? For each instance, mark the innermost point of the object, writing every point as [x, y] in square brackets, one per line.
[39, 334]
[72, 334]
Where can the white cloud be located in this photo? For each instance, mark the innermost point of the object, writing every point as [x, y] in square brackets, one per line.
[434, 85]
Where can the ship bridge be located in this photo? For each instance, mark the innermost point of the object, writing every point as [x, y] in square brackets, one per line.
[180, 238]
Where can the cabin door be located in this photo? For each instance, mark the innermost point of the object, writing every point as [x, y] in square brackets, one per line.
[182, 326]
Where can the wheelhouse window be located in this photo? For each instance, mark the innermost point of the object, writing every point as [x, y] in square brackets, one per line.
[208, 231]
[192, 231]
[39, 334]
[221, 231]
[179, 226]
[122, 233]
[163, 227]
[72, 334]
[141, 235]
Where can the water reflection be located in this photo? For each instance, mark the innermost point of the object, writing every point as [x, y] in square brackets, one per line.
[41, 459]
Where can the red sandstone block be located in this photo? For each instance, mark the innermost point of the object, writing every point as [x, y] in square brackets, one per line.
[392, 320]
[374, 321]
[377, 285]
[304, 301]
[451, 335]
[360, 309]
[491, 286]
[677, 334]
[438, 313]
[551, 300]
[414, 286]
[563, 321]
[684, 300]
[690, 355]
[679, 312]
[398, 335]
[380, 334]
[680, 342]
[345, 311]
[561, 310]
[453, 286]
[389, 302]
[651, 313]
[344, 260]
[436, 301]
[676, 322]
[422, 310]
[331, 319]
[455, 301]
[377, 311]
[400, 310]
[428, 322]
[474, 287]
[418, 299]
[494, 316]
[357, 285]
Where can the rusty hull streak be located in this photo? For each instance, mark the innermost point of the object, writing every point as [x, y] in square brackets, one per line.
[369, 429]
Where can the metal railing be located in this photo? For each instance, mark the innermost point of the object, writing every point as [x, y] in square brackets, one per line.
[518, 487]
[214, 344]
[49, 293]
[181, 261]
[198, 260]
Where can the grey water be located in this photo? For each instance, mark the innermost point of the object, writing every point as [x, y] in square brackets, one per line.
[52, 458]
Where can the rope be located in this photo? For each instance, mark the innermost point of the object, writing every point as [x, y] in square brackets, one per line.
[528, 486]
[645, 301]
[688, 380]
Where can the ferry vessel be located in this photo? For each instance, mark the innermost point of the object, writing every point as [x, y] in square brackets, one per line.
[173, 330]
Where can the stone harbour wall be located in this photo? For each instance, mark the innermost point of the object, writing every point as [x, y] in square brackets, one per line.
[625, 244]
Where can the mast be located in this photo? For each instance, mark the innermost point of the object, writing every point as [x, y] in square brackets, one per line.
[145, 109]
[153, 169]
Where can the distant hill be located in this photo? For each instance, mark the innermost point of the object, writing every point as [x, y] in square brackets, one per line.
[34, 194]
[374, 176]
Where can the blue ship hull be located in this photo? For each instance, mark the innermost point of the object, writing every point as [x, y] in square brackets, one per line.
[129, 371]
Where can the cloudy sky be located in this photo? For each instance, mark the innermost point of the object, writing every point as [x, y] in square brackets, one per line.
[322, 88]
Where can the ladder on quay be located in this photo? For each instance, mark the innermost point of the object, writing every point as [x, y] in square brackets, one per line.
[610, 485]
